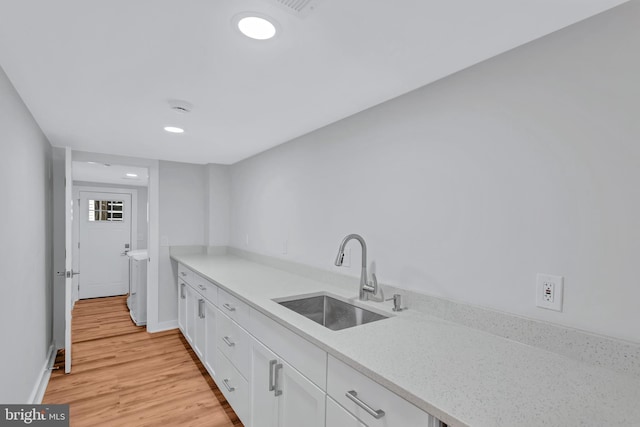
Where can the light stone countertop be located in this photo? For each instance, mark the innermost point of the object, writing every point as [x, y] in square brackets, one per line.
[463, 376]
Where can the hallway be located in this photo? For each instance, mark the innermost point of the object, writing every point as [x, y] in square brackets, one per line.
[123, 376]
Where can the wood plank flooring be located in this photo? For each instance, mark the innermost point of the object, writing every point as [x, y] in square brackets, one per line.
[123, 376]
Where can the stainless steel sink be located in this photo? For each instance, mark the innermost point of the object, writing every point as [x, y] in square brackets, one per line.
[331, 313]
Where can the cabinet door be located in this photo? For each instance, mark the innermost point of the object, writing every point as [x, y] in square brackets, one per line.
[191, 313]
[337, 416]
[264, 405]
[199, 339]
[182, 307]
[280, 395]
[301, 403]
[210, 319]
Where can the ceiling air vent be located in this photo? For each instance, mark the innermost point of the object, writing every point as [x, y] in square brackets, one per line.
[180, 106]
[300, 8]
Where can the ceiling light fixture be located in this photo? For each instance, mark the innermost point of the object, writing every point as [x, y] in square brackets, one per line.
[173, 129]
[132, 175]
[256, 26]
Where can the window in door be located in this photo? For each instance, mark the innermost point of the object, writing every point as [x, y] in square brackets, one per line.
[106, 210]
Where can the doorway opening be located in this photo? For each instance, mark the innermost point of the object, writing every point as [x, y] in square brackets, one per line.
[111, 224]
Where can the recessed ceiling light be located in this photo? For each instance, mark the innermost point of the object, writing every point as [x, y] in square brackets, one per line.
[173, 129]
[132, 175]
[256, 27]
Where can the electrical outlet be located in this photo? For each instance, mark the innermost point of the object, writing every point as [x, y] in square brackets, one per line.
[549, 291]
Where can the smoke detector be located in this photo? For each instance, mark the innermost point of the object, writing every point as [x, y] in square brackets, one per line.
[179, 106]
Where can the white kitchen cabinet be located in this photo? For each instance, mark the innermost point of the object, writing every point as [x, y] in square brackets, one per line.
[182, 307]
[337, 416]
[210, 320]
[370, 402]
[234, 387]
[280, 395]
[199, 335]
[308, 358]
[191, 304]
[234, 343]
[237, 310]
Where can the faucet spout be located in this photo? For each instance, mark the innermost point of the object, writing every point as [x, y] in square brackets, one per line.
[365, 287]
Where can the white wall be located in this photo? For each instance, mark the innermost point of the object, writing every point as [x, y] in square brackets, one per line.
[183, 221]
[26, 250]
[468, 187]
[219, 204]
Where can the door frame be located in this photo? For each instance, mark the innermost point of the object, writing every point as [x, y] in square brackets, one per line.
[76, 226]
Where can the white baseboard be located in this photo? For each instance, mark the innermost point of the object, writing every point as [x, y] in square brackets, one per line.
[43, 380]
[163, 326]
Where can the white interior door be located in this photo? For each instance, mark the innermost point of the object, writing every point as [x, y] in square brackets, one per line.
[105, 238]
[68, 261]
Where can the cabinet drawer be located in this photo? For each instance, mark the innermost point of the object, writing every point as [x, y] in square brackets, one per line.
[185, 273]
[199, 283]
[233, 385]
[307, 358]
[337, 416]
[234, 308]
[208, 290]
[234, 343]
[342, 379]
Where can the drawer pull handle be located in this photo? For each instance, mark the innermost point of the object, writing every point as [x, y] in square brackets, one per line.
[228, 342]
[272, 363]
[276, 391]
[201, 308]
[229, 306]
[375, 413]
[183, 274]
[182, 295]
[202, 288]
[226, 384]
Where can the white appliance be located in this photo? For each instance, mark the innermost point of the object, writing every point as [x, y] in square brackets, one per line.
[137, 300]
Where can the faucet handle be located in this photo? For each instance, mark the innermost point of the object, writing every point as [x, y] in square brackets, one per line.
[375, 292]
[374, 283]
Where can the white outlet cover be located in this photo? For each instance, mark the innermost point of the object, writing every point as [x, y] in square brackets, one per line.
[557, 284]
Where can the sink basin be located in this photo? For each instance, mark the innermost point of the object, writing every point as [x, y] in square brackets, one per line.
[331, 312]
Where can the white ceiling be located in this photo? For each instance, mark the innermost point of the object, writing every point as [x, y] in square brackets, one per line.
[97, 75]
[110, 174]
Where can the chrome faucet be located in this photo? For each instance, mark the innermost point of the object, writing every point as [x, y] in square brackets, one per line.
[368, 289]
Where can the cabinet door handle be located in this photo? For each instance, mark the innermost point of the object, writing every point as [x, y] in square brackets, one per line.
[201, 308]
[228, 342]
[182, 295]
[202, 288]
[272, 363]
[276, 391]
[226, 384]
[229, 306]
[375, 413]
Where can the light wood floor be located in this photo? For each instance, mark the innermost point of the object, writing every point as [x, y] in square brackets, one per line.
[123, 376]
